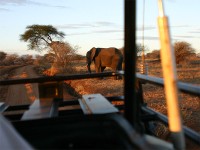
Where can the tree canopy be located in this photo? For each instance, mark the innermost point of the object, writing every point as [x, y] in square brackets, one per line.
[182, 51]
[2, 55]
[139, 49]
[40, 36]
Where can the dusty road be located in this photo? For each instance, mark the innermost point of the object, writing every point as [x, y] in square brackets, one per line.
[20, 94]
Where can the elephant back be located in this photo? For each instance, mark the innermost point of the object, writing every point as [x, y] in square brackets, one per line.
[108, 51]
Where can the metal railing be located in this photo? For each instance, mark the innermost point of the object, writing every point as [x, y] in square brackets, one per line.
[184, 87]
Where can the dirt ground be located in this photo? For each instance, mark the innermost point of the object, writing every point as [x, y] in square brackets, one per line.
[22, 93]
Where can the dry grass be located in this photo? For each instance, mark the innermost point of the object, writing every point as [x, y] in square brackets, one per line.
[106, 86]
[5, 71]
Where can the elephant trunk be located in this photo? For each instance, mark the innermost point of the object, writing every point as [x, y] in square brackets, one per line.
[88, 67]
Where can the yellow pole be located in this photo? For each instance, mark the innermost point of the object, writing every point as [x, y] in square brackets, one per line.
[170, 80]
[143, 57]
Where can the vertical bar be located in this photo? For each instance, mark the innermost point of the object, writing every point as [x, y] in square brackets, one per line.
[131, 106]
[170, 81]
[143, 56]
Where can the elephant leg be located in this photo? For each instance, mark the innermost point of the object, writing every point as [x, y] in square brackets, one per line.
[115, 69]
[119, 67]
[98, 69]
[97, 65]
[102, 69]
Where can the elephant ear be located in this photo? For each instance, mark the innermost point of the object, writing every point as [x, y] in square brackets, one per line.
[93, 52]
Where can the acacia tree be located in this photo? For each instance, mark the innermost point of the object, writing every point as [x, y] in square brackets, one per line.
[40, 36]
[63, 54]
[44, 37]
[182, 51]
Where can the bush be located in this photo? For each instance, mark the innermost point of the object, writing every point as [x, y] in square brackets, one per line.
[182, 51]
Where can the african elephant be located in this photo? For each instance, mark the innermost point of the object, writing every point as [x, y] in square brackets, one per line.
[104, 57]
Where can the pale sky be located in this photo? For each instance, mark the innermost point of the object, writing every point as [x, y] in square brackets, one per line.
[96, 23]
